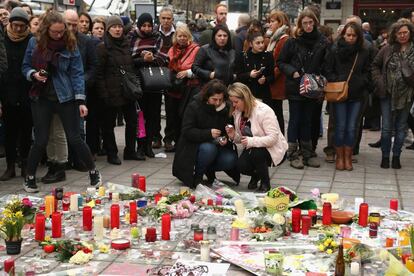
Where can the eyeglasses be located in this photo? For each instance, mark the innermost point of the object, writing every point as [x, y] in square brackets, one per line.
[403, 33]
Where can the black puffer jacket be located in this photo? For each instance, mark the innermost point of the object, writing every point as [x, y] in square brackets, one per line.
[210, 59]
[111, 53]
[14, 86]
[199, 119]
[296, 56]
[338, 64]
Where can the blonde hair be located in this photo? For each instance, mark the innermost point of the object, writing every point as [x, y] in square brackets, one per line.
[242, 92]
[184, 29]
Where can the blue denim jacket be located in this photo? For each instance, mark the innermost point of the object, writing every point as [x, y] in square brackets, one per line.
[68, 81]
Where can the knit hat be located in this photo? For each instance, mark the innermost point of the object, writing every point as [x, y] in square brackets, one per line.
[143, 18]
[19, 14]
[126, 20]
[112, 21]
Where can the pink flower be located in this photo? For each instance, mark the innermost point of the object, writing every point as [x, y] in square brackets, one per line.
[315, 193]
[26, 202]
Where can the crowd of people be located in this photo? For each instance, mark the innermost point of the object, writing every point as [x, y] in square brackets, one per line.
[65, 88]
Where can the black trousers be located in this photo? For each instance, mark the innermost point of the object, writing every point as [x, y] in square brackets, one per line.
[316, 124]
[130, 114]
[68, 112]
[173, 122]
[94, 123]
[277, 106]
[151, 106]
[18, 129]
[255, 162]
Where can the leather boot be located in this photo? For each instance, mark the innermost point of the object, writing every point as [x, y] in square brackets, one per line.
[148, 149]
[348, 158]
[235, 175]
[293, 147]
[253, 182]
[395, 163]
[56, 173]
[263, 188]
[141, 149]
[385, 163]
[9, 173]
[340, 161]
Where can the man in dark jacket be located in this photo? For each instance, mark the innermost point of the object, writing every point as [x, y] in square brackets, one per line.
[241, 32]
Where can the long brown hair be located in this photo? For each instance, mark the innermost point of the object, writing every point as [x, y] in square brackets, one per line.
[53, 17]
[303, 14]
[392, 37]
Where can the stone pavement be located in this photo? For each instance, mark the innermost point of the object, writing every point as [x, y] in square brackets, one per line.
[367, 179]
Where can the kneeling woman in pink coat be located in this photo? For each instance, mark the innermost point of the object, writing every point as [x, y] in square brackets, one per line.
[256, 129]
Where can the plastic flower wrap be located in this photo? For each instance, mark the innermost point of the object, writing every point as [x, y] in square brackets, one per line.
[281, 192]
[80, 258]
[12, 220]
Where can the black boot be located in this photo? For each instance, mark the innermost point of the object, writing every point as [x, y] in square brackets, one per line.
[235, 175]
[211, 176]
[148, 149]
[9, 173]
[376, 144]
[385, 163]
[253, 182]
[113, 159]
[198, 179]
[141, 149]
[263, 188]
[395, 163]
[56, 173]
[23, 169]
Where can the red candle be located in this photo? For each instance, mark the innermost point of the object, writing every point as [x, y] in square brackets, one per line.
[157, 197]
[363, 215]
[133, 217]
[135, 180]
[56, 225]
[65, 203]
[394, 204]
[404, 257]
[40, 227]
[306, 224]
[198, 234]
[151, 235]
[142, 183]
[9, 266]
[165, 227]
[87, 218]
[192, 198]
[312, 214]
[327, 213]
[114, 216]
[209, 202]
[296, 213]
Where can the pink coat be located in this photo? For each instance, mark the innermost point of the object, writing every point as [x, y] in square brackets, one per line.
[266, 131]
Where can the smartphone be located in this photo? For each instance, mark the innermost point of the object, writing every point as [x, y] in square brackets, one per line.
[43, 73]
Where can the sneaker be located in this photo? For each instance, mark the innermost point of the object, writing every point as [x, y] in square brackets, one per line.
[30, 186]
[95, 178]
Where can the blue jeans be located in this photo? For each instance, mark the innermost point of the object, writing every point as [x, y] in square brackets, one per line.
[346, 116]
[212, 157]
[393, 120]
[300, 120]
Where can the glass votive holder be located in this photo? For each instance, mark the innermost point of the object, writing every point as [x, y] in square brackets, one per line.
[345, 231]
[198, 234]
[195, 226]
[211, 233]
[234, 234]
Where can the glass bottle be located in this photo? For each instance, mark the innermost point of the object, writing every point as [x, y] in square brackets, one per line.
[340, 262]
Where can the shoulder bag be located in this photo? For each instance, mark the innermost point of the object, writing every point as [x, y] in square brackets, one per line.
[407, 72]
[338, 91]
[311, 85]
[155, 78]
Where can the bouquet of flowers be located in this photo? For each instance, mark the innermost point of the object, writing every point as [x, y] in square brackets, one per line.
[182, 209]
[13, 217]
[327, 244]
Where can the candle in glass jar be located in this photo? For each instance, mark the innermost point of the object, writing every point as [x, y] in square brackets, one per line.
[101, 191]
[106, 221]
[87, 218]
[133, 216]
[210, 202]
[115, 197]
[49, 205]
[363, 215]
[135, 180]
[219, 200]
[234, 234]
[65, 203]
[98, 227]
[165, 227]
[151, 234]
[355, 268]
[114, 216]
[296, 214]
[74, 203]
[314, 217]
[394, 204]
[56, 225]
[238, 203]
[327, 213]
[198, 234]
[9, 266]
[306, 223]
[142, 183]
[40, 227]
[205, 251]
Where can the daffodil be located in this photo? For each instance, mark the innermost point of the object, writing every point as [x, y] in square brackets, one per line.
[321, 247]
[329, 251]
[333, 243]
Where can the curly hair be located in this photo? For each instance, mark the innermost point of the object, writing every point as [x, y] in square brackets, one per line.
[392, 38]
[52, 17]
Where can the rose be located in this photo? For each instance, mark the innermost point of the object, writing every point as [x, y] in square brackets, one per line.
[26, 202]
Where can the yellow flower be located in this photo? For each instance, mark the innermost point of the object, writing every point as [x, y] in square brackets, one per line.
[321, 247]
[329, 251]
[47, 238]
[333, 243]
[326, 243]
[329, 240]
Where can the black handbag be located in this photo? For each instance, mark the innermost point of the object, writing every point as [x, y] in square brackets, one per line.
[155, 78]
[407, 72]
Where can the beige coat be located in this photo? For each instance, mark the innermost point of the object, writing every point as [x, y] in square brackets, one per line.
[266, 131]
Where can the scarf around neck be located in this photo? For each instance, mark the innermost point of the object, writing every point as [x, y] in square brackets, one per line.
[276, 37]
[309, 39]
[14, 36]
[346, 50]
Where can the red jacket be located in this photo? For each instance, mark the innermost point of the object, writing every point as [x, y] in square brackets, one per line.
[277, 88]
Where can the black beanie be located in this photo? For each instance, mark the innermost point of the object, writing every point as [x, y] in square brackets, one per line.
[145, 17]
[113, 20]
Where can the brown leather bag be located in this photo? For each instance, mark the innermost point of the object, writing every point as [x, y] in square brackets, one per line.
[338, 91]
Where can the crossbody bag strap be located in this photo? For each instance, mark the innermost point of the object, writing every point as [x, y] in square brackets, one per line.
[352, 69]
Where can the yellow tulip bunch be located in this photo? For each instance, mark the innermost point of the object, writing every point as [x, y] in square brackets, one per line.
[12, 221]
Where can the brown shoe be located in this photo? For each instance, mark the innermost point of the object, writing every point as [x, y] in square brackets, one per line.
[348, 159]
[339, 163]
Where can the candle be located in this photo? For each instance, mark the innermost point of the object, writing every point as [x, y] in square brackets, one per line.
[373, 230]
[115, 197]
[219, 200]
[358, 201]
[165, 227]
[87, 218]
[234, 234]
[389, 242]
[49, 205]
[363, 215]
[314, 217]
[205, 251]
[327, 213]
[198, 234]
[133, 217]
[394, 204]
[101, 191]
[65, 203]
[345, 231]
[135, 180]
[9, 266]
[296, 214]
[142, 183]
[74, 203]
[114, 216]
[80, 200]
[306, 223]
[354, 268]
[98, 227]
[56, 225]
[151, 234]
[40, 227]
[238, 203]
[106, 221]
[157, 197]
[210, 202]
[58, 193]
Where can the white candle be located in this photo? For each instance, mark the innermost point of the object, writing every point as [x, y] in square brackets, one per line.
[239, 208]
[205, 251]
[74, 203]
[91, 191]
[98, 227]
[115, 197]
[354, 268]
